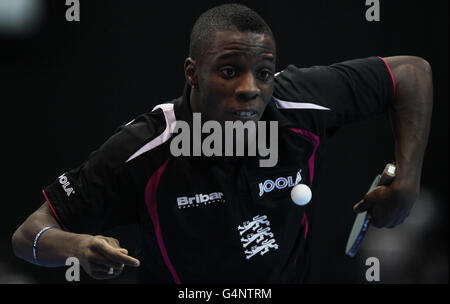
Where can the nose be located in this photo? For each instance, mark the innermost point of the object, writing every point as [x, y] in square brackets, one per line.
[247, 89]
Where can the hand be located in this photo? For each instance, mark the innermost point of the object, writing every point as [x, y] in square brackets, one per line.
[99, 254]
[388, 206]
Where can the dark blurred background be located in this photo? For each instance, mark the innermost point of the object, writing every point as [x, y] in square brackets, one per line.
[66, 86]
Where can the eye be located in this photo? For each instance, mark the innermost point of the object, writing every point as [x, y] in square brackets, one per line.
[228, 72]
[265, 75]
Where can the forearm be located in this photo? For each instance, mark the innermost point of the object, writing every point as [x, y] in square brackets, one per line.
[54, 246]
[411, 116]
[101, 257]
[411, 111]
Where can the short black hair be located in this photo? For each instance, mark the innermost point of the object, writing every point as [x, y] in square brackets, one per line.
[225, 17]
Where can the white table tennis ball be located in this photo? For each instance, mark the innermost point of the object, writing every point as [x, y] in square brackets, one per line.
[301, 194]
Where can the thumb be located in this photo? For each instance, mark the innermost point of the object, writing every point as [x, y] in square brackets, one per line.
[362, 205]
[123, 250]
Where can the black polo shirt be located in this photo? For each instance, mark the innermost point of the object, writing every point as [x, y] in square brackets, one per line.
[221, 219]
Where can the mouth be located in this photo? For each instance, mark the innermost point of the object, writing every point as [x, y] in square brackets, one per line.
[245, 114]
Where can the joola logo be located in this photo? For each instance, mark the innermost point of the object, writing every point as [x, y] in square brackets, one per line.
[198, 199]
[279, 183]
[65, 184]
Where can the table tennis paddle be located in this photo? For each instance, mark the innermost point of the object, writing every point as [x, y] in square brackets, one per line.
[362, 220]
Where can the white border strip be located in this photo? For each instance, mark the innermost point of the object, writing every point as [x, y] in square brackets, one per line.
[169, 115]
[282, 104]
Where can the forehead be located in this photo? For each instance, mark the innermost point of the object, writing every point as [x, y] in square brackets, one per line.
[252, 43]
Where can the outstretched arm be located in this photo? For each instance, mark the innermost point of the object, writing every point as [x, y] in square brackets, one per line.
[411, 116]
[97, 254]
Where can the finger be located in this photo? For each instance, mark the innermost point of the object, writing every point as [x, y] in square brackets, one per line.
[113, 242]
[105, 268]
[385, 222]
[117, 256]
[402, 220]
[102, 275]
[378, 218]
[399, 221]
[362, 205]
[390, 226]
[123, 250]
[100, 259]
[102, 272]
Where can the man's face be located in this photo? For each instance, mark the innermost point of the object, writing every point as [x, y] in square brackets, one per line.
[235, 76]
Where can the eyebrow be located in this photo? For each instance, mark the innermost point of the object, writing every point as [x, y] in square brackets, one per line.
[239, 53]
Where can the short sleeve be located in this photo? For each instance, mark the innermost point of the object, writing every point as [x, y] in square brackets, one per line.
[339, 94]
[100, 194]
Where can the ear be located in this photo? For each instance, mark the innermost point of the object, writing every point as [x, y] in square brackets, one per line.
[190, 72]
